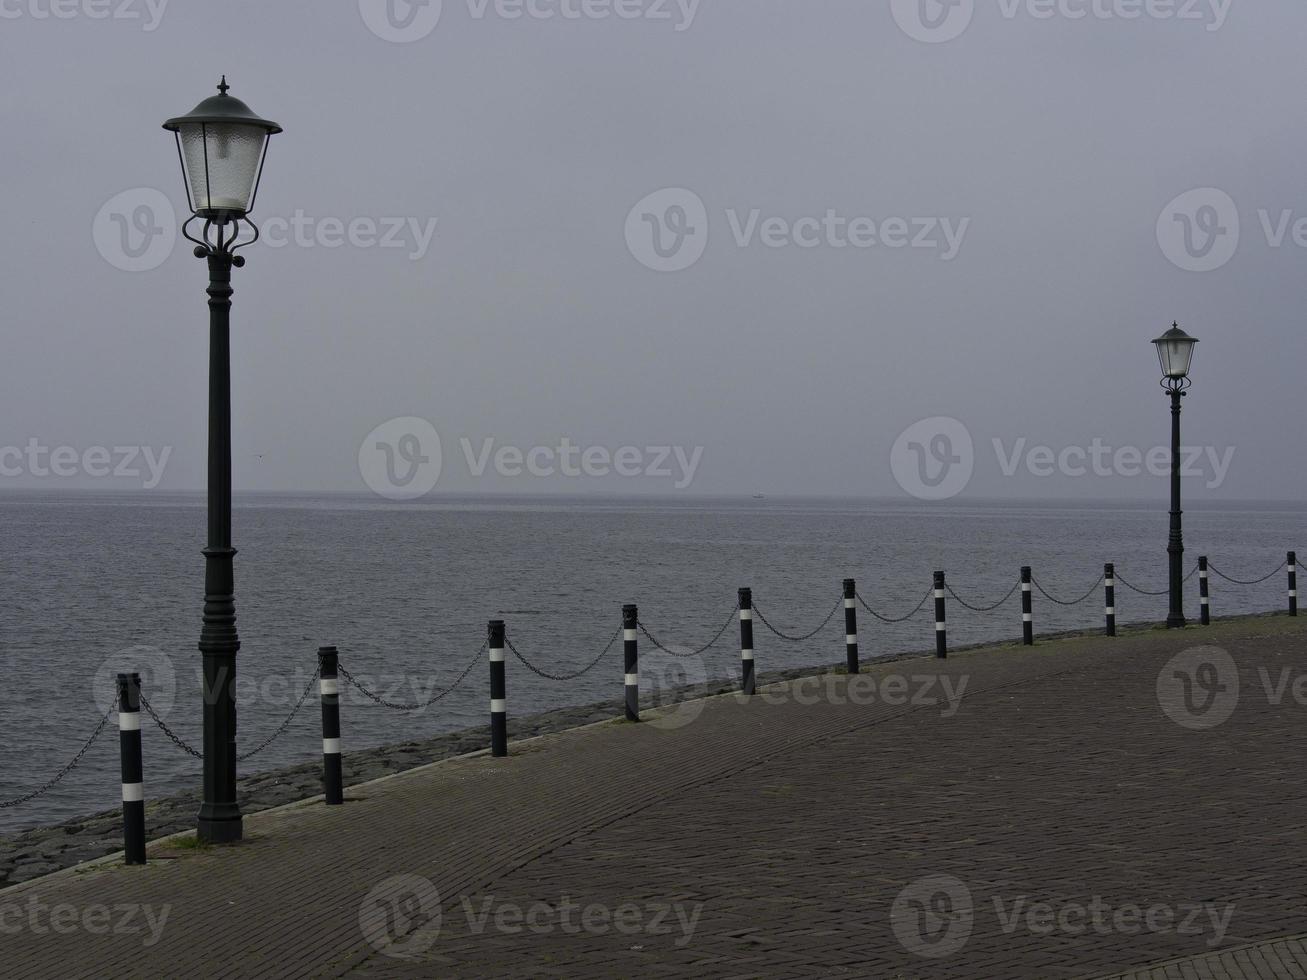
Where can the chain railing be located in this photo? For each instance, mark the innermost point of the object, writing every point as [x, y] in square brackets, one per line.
[1235, 581]
[280, 729]
[541, 672]
[981, 608]
[1070, 602]
[410, 706]
[54, 780]
[839, 604]
[632, 674]
[176, 739]
[896, 619]
[701, 650]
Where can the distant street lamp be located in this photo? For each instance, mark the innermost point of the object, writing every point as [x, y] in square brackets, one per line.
[1175, 351]
[221, 145]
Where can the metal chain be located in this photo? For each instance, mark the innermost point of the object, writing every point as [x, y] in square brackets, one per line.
[1215, 571]
[416, 706]
[308, 688]
[983, 609]
[1075, 602]
[703, 649]
[563, 677]
[806, 636]
[1135, 588]
[54, 780]
[896, 619]
[176, 740]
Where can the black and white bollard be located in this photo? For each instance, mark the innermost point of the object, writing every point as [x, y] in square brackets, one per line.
[1204, 599]
[851, 625]
[630, 647]
[333, 783]
[941, 630]
[1027, 609]
[747, 685]
[129, 749]
[1109, 597]
[1293, 583]
[498, 692]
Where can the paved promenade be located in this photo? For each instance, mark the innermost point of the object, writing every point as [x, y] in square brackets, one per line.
[1045, 813]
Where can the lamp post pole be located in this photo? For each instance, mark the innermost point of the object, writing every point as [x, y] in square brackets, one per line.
[1175, 545]
[221, 145]
[1175, 352]
[220, 816]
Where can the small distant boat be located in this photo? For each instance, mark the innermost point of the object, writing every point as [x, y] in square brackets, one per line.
[759, 496]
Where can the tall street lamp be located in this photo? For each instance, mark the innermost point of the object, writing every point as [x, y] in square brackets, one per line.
[1175, 351]
[221, 145]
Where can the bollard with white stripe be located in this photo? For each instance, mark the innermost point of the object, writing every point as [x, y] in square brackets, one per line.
[333, 783]
[1204, 599]
[1109, 597]
[1293, 583]
[129, 749]
[631, 650]
[941, 630]
[1027, 609]
[746, 642]
[498, 692]
[851, 625]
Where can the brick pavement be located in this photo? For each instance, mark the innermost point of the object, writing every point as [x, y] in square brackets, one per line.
[1056, 824]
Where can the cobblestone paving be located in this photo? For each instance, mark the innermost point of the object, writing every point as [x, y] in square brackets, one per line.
[1070, 816]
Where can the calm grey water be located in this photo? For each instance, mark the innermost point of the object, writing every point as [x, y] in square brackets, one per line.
[91, 584]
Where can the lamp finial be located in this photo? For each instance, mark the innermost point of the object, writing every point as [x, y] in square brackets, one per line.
[223, 86]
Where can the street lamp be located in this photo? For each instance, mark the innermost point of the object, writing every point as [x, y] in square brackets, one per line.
[1175, 352]
[221, 145]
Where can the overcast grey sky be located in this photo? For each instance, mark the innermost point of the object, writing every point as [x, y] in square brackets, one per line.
[1034, 159]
